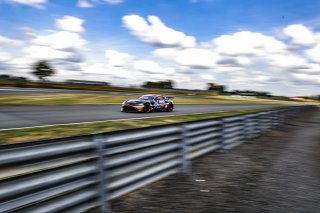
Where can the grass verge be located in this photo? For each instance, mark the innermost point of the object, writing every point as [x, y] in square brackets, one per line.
[96, 99]
[52, 85]
[59, 131]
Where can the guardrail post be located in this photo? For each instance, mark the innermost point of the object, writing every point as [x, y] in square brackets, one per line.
[104, 203]
[223, 135]
[185, 161]
[247, 127]
[232, 136]
[268, 120]
[243, 123]
[278, 118]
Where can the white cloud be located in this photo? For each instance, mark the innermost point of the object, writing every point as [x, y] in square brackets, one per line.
[43, 52]
[182, 79]
[70, 23]
[21, 64]
[62, 48]
[306, 78]
[233, 69]
[197, 58]
[116, 58]
[286, 60]
[120, 67]
[96, 68]
[228, 59]
[103, 69]
[90, 3]
[154, 31]
[33, 3]
[247, 43]
[314, 53]
[60, 40]
[4, 56]
[5, 59]
[242, 60]
[191, 57]
[166, 53]
[9, 41]
[84, 4]
[151, 67]
[309, 69]
[251, 79]
[234, 52]
[65, 45]
[207, 77]
[283, 64]
[300, 34]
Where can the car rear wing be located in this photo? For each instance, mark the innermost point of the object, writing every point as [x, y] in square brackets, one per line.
[170, 98]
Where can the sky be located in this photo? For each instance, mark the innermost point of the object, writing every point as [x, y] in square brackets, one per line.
[257, 45]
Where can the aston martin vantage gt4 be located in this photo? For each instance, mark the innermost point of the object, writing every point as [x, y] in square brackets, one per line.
[148, 103]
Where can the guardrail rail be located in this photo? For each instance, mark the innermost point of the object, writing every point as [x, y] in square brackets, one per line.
[79, 174]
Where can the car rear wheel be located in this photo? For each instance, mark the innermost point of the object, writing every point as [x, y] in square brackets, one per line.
[146, 108]
[170, 108]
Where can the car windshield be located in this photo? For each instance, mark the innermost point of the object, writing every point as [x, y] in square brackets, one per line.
[146, 97]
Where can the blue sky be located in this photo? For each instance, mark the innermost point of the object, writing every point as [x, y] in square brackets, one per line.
[245, 44]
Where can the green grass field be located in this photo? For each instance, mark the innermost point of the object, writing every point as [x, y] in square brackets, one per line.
[52, 85]
[82, 99]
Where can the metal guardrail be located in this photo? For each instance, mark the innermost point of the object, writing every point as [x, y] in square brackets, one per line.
[84, 173]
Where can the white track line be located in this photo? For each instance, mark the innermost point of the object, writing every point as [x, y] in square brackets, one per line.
[89, 122]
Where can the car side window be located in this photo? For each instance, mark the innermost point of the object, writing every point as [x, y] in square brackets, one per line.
[160, 99]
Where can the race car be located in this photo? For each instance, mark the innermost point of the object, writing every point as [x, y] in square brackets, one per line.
[148, 103]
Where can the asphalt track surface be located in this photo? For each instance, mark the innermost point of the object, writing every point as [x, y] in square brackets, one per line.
[28, 116]
[41, 91]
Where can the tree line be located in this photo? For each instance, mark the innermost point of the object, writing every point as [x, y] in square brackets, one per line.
[43, 69]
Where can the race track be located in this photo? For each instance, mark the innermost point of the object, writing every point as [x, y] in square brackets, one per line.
[28, 116]
[42, 91]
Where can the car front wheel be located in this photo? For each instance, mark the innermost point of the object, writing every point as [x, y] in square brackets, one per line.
[170, 108]
[146, 108]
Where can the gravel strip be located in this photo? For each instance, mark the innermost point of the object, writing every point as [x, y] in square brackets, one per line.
[278, 172]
